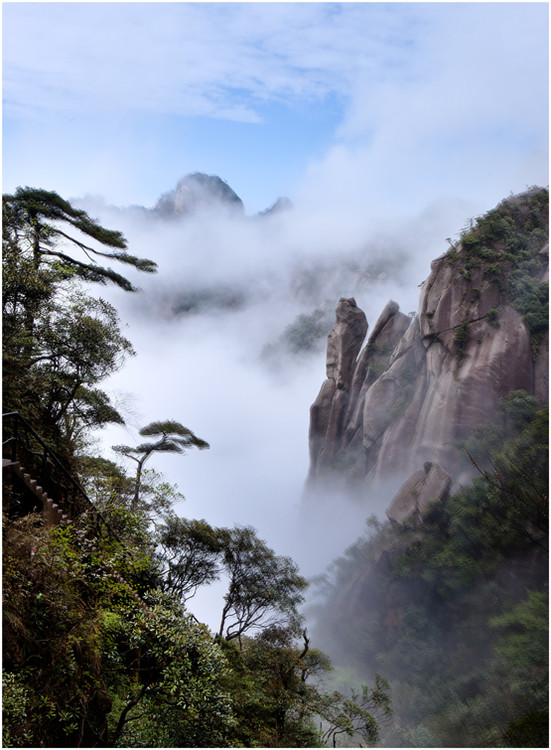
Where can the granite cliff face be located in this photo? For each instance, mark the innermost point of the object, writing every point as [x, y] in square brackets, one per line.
[420, 384]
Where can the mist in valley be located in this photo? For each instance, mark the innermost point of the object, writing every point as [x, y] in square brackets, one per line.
[212, 335]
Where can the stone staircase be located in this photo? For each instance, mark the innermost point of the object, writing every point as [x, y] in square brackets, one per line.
[40, 477]
[53, 515]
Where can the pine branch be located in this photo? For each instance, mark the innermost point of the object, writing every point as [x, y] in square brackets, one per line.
[92, 272]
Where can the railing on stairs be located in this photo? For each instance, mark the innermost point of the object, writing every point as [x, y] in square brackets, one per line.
[22, 445]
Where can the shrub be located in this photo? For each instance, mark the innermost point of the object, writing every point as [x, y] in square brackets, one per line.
[492, 316]
[460, 339]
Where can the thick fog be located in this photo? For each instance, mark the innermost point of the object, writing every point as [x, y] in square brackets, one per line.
[208, 330]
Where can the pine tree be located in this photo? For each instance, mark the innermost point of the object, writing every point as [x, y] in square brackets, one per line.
[172, 437]
[35, 220]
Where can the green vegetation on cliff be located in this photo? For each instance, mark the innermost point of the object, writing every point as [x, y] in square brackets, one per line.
[507, 243]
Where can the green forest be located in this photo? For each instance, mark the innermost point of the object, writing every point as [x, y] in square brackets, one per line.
[438, 631]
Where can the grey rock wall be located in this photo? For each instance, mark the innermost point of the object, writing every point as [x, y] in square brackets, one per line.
[415, 389]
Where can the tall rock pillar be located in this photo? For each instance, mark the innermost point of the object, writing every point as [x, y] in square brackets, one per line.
[327, 412]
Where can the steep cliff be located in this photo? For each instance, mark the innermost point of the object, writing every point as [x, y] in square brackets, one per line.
[420, 384]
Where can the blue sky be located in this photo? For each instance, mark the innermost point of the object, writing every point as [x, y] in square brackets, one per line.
[391, 105]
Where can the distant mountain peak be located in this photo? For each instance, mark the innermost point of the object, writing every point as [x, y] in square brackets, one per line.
[199, 192]
[281, 204]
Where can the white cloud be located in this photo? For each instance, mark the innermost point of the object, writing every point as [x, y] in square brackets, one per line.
[434, 97]
[467, 118]
[222, 60]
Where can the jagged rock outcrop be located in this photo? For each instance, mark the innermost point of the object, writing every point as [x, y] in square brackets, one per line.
[420, 385]
[199, 192]
[343, 344]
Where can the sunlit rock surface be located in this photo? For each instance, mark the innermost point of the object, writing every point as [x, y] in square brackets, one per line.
[420, 385]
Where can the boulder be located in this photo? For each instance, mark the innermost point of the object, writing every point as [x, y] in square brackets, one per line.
[423, 487]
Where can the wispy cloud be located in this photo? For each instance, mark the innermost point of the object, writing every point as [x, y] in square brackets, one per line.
[467, 117]
[222, 60]
[430, 99]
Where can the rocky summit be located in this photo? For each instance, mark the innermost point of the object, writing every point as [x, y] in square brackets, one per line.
[199, 192]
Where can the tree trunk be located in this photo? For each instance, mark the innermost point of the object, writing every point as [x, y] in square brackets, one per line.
[136, 498]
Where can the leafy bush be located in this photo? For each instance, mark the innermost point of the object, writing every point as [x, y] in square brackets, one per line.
[16, 710]
[460, 339]
[492, 316]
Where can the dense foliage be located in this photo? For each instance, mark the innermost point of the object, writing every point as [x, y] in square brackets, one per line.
[507, 244]
[84, 652]
[100, 651]
[100, 646]
[59, 342]
[454, 611]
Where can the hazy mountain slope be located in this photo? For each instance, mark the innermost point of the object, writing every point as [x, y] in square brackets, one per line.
[452, 608]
